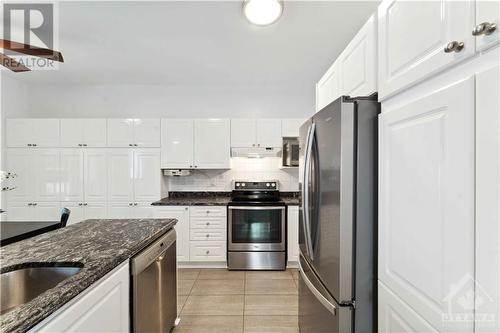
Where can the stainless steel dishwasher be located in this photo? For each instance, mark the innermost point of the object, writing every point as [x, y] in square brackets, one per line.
[154, 286]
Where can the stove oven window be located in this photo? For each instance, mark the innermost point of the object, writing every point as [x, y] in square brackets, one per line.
[257, 226]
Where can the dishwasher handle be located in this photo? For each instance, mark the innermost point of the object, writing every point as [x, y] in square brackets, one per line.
[154, 252]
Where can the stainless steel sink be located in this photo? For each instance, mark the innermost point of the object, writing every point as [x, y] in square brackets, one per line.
[24, 284]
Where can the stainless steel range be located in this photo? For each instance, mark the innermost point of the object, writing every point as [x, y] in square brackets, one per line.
[256, 227]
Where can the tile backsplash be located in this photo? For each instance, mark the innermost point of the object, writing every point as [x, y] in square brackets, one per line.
[241, 169]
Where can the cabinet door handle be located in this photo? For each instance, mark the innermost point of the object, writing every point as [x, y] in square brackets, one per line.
[34, 145]
[485, 28]
[85, 204]
[30, 204]
[135, 204]
[34, 204]
[130, 204]
[29, 144]
[454, 46]
[85, 145]
[79, 145]
[135, 145]
[80, 204]
[130, 145]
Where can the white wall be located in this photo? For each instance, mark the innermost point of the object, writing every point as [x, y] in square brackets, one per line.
[114, 101]
[241, 168]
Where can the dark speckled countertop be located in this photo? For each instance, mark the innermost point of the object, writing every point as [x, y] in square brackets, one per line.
[212, 199]
[100, 245]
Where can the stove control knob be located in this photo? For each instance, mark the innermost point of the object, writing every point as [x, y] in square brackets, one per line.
[273, 184]
[237, 184]
[243, 184]
[267, 184]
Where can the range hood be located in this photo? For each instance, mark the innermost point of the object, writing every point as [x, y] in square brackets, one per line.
[256, 152]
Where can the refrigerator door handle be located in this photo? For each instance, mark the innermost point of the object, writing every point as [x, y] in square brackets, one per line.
[326, 303]
[305, 189]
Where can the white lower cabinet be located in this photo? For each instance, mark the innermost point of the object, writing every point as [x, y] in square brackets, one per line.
[207, 251]
[103, 308]
[130, 210]
[293, 233]
[33, 211]
[397, 317]
[181, 213]
[80, 211]
[426, 205]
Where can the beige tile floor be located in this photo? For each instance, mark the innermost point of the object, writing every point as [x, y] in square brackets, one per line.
[222, 301]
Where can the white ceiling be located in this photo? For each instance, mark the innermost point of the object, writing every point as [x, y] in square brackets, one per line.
[199, 43]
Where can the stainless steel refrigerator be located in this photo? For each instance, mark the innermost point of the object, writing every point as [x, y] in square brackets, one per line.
[338, 218]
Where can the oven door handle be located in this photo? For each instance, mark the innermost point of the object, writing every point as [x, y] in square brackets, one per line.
[257, 207]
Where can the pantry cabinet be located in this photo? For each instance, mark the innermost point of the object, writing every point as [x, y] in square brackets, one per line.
[487, 15]
[395, 316]
[133, 133]
[413, 36]
[83, 132]
[246, 133]
[426, 202]
[134, 175]
[195, 144]
[37, 175]
[181, 214]
[488, 199]
[83, 175]
[31, 132]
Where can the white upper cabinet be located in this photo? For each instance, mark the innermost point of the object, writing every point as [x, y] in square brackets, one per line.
[94, 175]
[177, 143]
[195, 144]
[243, 133]
[32, 133]
[269, 133]
[147, 175]
[212, 139]
[290, 127]
[328, 87]
[20, 162]
[358, 62]
[413, 36]
[487, 30]
[426, 202]
[255, 133]
[83, 132]
[147, 133]
[133, 132]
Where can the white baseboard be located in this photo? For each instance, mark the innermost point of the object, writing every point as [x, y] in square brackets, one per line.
[218, 264]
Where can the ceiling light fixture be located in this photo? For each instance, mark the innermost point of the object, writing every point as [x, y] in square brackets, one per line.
[262, 12]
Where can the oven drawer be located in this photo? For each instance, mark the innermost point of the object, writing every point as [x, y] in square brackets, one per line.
[208, 211]
[208, 235]
[208, 251]
[208, 222]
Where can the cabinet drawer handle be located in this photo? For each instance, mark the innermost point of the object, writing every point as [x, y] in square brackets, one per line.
[135, 144]
[29, 144]
[80, 204]
[208, 212]
[79, 145]
[485, 28]
[207, 252]
[34, 204]
[30, 204]
[135, 203]
[130, 204]
[454, 46]
[130, 145]
[208, 235]
[85, 145]
[85, 204]
[208, 223]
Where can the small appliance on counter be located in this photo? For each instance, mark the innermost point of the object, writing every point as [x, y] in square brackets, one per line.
[291, 150]
[256, 227]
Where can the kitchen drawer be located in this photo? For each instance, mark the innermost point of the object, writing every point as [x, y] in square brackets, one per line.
[208, 223]
[208, 211]
[208, 235]
[208, 251]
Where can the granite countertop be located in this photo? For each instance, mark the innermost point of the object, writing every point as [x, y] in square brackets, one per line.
[195, 199]
[100, 245]
[212, 199]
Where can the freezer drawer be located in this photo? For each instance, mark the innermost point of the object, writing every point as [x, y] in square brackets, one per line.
[318, 310]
